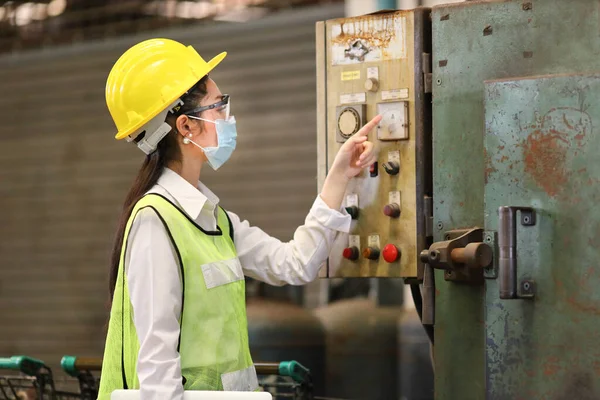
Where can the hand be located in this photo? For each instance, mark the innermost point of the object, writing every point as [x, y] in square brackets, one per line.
[356, 153]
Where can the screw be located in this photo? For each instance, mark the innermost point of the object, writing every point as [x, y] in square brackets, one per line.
[440, 226]
[439, 82]
[488, 239]
[526, 286]
[526, 219]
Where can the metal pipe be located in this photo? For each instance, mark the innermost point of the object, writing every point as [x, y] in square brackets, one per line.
[267, 368]
[507, 246]
[88, 364]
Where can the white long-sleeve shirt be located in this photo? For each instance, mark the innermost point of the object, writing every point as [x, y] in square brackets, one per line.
[153, 273]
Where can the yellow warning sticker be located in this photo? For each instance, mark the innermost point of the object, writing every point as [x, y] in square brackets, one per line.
[350, 75]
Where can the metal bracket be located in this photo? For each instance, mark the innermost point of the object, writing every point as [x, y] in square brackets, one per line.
[507, 248]
[527, 289]
[462, 256]
[427, 75]
[491, 239]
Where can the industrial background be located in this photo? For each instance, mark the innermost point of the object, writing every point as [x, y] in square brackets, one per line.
[490, 111]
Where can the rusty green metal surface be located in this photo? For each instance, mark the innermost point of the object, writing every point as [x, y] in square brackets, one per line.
[542, 135]
[473, 42]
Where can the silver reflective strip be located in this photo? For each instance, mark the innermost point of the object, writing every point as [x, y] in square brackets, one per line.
[222, 272]
[244, 380]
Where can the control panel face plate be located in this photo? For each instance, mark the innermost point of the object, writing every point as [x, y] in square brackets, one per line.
[366, 66]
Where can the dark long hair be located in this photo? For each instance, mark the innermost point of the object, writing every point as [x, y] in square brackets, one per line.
[166, 152]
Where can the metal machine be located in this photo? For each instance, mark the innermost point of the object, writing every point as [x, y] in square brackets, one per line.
[515, 87]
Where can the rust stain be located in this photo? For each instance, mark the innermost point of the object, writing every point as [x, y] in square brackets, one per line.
[489, 167]
[462, 204]
[366, 29]
[545, 160]
[500, 148]
[546, 150]
[566, 121]
[597, 368]
[551, 366]
[504, 158]
[586, 308]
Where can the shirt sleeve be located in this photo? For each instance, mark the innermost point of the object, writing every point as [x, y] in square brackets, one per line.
[154, 283]
[296, 262]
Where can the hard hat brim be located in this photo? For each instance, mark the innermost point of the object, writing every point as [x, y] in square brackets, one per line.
[211, 65]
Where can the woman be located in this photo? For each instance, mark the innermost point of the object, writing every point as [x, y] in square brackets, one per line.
[178, 318]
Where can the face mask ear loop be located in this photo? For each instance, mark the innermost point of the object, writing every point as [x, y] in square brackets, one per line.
[201, 119]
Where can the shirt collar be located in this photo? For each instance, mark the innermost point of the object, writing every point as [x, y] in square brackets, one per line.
[191, 199]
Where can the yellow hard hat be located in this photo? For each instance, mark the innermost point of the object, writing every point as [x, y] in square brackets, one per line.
[148, 78]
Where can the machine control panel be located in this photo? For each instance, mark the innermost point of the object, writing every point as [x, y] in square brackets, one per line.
[371, 65]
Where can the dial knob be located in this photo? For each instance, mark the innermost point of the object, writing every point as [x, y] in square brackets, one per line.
[391, 253]
[348, 122]
[352, 211]
[392, 210]
[350, 253]
[371, 85]
[372, 253]
[391, 167]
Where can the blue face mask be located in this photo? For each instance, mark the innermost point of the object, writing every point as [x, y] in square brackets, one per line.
[226, 141]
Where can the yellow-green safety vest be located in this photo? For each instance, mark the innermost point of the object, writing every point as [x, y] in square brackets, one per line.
[213, 340]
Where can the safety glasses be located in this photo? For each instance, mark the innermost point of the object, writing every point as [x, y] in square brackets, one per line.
[223, 105]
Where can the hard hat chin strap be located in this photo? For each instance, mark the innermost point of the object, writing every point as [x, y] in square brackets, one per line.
[148, 136]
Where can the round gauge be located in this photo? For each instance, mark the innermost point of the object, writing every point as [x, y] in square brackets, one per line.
[348, 122]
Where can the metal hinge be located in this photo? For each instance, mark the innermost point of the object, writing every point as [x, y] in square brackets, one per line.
[428, 215]
[427, 75]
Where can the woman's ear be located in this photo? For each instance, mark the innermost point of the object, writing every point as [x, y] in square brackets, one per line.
[182, 123]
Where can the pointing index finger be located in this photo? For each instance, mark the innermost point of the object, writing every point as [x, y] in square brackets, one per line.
[364, 131]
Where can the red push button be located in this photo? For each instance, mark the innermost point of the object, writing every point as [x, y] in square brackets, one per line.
[350, 253]
[391, 253]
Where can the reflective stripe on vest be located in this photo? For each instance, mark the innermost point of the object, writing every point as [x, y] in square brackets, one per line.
[214, 333]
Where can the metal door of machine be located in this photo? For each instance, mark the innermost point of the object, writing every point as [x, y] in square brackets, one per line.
[541, 347]
[541, 197]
